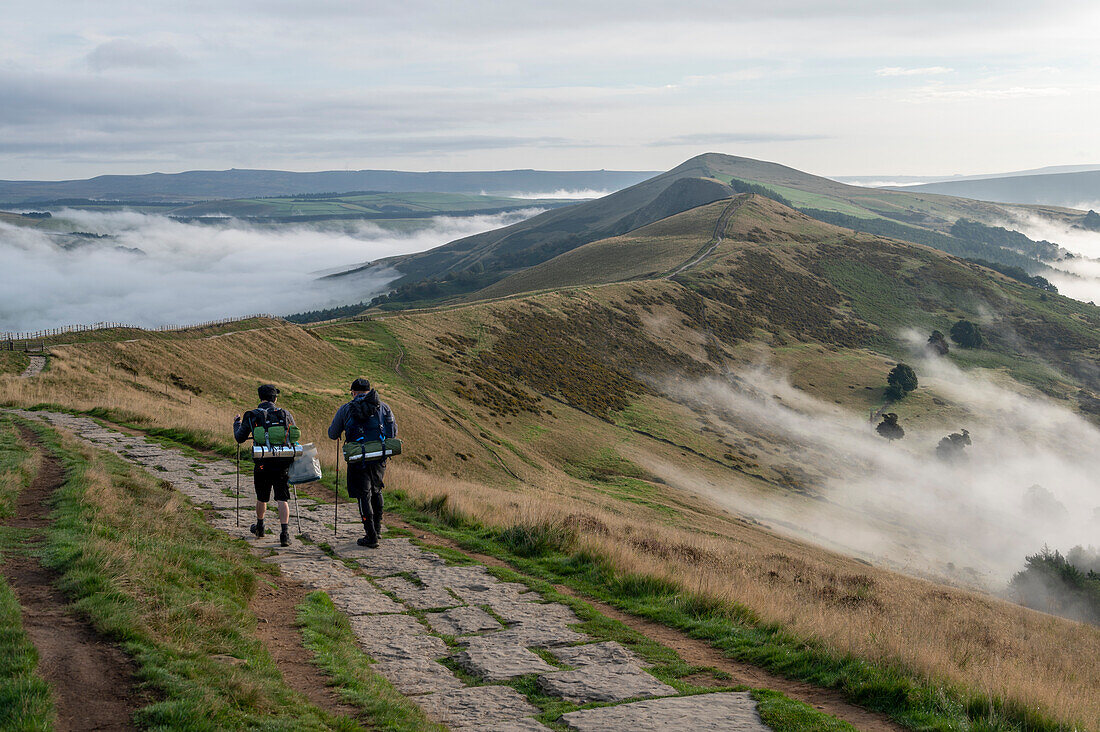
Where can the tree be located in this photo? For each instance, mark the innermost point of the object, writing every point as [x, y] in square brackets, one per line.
[900, 381]
[937, 343]
[889, 427]
[967, 334]
[951, 447]
[1091, 221]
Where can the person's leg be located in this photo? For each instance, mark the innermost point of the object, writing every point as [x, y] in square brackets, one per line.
[282, 498]
[261, 478]
[359, 489]
[377, 472]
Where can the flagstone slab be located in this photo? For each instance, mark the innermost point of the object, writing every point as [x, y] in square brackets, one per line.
[494, 660]
[731, 711]
[610, 683]
[419, 597]
[594, 654]
[418, 675]
[363, 598]
[462, 621]
[477, 706]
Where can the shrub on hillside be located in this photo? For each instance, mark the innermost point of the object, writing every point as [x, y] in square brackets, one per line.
[1052, 583]
[967, 334]
[937, 343]
[889, 427]
[901, 380]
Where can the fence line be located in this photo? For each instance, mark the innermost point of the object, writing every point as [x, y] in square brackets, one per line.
[48, 332]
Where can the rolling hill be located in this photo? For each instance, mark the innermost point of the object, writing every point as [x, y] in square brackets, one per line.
[606, 412]
[202, 185]
[1054, 189]
[477, 261]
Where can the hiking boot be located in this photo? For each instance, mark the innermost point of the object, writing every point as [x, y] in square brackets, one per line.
[284, 537]
[257, 530]
[364, 541]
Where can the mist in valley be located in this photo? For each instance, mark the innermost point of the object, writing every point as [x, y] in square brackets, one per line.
[151, 270]
[1028, 479]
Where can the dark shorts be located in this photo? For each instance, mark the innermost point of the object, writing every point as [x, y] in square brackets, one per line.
[365, 479]
[271, 473]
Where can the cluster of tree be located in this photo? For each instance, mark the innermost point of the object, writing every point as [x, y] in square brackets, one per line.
[1062, 585]
[316, 316]
[1018, 274]
[967, 334]
[37, 215]
[889, 427]
[450, 284]
[320, 196]
[950, 448]
[1091, 221]
[901, 380]
[937, 344]
[974, 231]
[743, 186]
[950, 244]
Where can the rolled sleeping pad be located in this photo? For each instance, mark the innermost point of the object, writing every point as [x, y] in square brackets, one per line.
[276, 451]
[371, 450]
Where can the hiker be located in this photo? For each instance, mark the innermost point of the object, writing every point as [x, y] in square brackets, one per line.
[268, 473]
[365, 417]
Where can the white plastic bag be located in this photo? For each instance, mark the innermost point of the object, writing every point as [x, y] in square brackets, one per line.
[307, 468]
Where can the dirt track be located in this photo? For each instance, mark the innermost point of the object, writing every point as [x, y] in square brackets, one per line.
[91, 679]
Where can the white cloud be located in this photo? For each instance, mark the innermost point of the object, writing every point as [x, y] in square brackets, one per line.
[122, 53]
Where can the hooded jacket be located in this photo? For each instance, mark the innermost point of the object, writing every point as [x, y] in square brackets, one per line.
[375, 405]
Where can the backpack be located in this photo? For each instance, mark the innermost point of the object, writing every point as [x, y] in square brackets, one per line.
[366, 435]
[273, 435]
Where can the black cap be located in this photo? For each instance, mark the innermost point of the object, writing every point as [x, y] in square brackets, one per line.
[360, 385]
[268, 392]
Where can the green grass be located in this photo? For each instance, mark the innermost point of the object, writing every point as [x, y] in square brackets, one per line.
[326, 632]
[173, 592]
[908, 698]
[25, 701]
[784, 714]
[13, 362]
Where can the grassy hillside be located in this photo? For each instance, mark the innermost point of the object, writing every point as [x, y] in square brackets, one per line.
[478, 261]
[542, 411]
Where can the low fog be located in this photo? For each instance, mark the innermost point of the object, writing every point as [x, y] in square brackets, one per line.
[151, 270]
[568, 194]
[1078, 277]
[972, 520]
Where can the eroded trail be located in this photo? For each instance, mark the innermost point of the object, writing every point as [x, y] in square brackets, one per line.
[91, 679]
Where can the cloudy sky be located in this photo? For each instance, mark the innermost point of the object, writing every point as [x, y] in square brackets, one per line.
[846, 87]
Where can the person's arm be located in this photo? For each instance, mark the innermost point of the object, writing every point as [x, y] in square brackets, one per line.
[242, 429]
[289, 418]
[337, 425]
[389, 428]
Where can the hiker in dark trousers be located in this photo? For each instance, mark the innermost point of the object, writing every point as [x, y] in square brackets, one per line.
[365, 417]
[268, 473]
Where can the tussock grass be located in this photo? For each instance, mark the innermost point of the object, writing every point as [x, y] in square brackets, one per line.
[326, 632]
[929, 656]
[147, 570]
[25, 700]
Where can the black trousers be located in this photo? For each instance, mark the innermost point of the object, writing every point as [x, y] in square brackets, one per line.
[365, 486]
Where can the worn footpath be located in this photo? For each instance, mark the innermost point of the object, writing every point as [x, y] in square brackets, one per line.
[412, 610]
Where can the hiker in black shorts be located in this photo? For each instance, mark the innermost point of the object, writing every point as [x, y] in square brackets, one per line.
[269, 473]
[366, 415]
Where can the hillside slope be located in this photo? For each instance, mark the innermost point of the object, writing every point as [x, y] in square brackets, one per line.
[478, 261]
[201, 185]
[1054, 189]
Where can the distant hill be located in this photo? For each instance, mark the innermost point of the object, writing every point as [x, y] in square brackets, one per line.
[912, 180]
[474, 262]
[1056, 189]
[202, 185]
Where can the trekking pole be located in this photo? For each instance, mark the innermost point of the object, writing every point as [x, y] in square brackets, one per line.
[336, 513]
[238, 484]
[297, 513]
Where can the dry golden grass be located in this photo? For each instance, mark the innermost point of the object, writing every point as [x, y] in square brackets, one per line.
[942, 633]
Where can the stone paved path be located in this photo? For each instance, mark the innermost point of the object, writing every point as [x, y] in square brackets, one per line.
[34, 367]
[413, 610]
